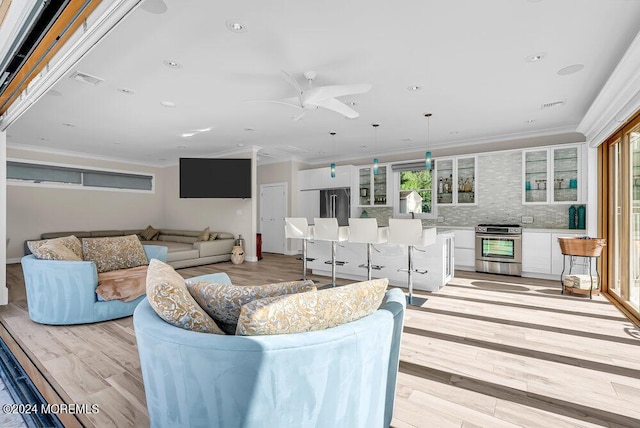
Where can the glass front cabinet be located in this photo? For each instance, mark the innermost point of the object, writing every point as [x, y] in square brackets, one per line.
[455, 180]
[372, 187]
[551, 175]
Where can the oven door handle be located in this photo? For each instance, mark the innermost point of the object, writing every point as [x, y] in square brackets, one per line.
[499, 236]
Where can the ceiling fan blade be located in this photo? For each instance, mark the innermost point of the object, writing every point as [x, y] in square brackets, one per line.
[293, 82]
[298, 117]
[333, 91]
[277, 102]
[339, 107]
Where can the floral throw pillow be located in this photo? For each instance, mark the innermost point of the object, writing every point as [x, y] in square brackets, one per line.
[113, 253]
[54, 250]
[71, 242]
[298, 313]
[168, 296]
[224, 301]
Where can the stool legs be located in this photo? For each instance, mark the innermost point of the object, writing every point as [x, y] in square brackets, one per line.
[410, 273]
[334, 249]
[304, 259]
[369, 265]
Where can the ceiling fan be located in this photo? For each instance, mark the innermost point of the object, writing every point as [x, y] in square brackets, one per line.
[320, 96]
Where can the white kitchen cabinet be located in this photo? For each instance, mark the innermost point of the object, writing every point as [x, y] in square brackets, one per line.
[455, 180]
[465, 249]
[536, 252]
[320, 178]
[552, 175]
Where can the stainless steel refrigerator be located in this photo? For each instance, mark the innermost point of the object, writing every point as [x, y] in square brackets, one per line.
[336, 203]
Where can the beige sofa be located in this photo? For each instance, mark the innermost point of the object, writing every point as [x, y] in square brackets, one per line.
[183, 247]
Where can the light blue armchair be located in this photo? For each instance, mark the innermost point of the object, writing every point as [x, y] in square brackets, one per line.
[64, 292]
[340, 377]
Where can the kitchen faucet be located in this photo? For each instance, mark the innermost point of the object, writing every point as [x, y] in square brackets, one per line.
[413, 215]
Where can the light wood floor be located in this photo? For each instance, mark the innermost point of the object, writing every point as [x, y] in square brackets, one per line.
[485, 351]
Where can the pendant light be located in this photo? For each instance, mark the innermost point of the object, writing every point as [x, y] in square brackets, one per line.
[427, 156]
[375, 146]
[333, 165]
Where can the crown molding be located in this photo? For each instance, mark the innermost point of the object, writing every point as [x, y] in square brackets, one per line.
[618, 99]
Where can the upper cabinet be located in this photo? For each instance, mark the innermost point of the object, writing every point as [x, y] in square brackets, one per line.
[552, 175]
[455, 180]
[320, 178]
[373, 188]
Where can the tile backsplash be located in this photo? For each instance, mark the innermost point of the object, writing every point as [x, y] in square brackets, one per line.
[499, 193]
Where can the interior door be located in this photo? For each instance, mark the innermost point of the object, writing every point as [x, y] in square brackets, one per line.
[273, 210]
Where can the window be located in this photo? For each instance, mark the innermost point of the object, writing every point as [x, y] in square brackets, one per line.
[413, 190]
[24, 172]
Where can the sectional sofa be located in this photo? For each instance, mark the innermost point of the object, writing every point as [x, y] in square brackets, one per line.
[183, 247]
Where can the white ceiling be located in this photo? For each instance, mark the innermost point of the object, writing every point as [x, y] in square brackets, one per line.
[468, 57]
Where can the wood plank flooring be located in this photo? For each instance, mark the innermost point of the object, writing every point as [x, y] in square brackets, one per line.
[485, 351]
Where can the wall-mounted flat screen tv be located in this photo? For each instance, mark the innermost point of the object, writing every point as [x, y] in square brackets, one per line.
[215, 178]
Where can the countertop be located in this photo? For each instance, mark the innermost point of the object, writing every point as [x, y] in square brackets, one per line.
[524, 229]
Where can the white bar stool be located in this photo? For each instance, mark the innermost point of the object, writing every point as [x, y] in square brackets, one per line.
[298, 228]
[410, 232]
[327, 229]
[366, 231]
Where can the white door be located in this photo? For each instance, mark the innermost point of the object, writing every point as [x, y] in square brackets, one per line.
[273, 210]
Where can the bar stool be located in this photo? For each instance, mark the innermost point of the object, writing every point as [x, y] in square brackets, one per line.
[410, 232]
[366, 231]
[327, 229]
[298, 228]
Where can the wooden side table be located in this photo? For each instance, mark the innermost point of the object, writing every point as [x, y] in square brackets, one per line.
[589, 248]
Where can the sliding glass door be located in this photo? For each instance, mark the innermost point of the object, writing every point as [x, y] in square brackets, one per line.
[620, 184]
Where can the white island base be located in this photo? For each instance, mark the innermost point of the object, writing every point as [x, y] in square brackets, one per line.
[437, 259]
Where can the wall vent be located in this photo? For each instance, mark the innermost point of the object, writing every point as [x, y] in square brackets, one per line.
[553, 104]
[86, 78]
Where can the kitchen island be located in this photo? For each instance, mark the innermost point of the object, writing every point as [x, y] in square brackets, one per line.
[437, 259]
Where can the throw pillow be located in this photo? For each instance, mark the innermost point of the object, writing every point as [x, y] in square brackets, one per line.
[204, 235]
[71, 242]
[224, 301]
[54, 250]
[113, 253]
[213, 236]
[298, 313]
[122, 284]
[149, 233]
[168, 296]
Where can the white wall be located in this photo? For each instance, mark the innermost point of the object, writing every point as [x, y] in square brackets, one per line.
[35, 210]
[237, 216]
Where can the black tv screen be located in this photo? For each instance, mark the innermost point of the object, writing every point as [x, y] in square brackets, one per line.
[215, 178]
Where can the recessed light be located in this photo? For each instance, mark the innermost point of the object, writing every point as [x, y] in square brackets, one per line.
[570, 69]
[168, 104]
[414, 88]
[182, 147]
[126, 91]
[172, 64]
[43, 139]
[406, 140]
[352, 103]
[235, 26]
[240, 144]
[70, 125]
[116, 143]
[364, 146]
[454, 132]
[529, 121]
[535, 57]
[249, 129]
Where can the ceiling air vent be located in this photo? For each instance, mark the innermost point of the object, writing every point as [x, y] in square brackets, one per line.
[553, 104]
[86, 78]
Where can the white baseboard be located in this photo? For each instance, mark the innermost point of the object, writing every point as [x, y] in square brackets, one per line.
[292, 253]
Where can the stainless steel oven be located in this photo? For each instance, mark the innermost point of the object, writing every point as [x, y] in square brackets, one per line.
[499, 249]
